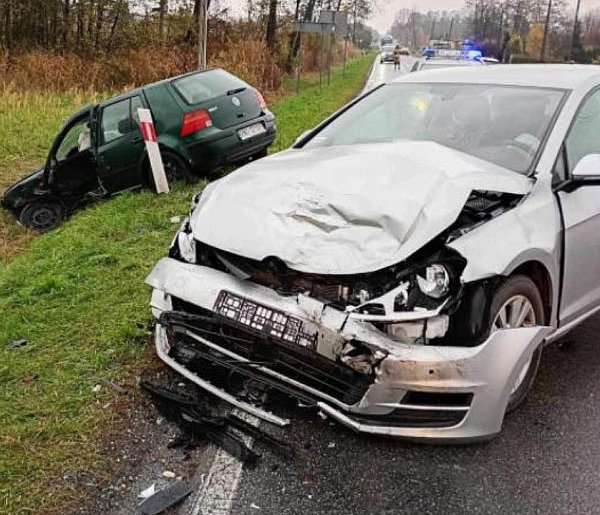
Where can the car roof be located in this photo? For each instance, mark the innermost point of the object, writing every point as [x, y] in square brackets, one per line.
[136, 91]
[562, 76]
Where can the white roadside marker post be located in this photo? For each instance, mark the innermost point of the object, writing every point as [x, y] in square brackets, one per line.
[156, 163]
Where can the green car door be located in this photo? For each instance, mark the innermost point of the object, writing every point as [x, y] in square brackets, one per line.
[120, 145]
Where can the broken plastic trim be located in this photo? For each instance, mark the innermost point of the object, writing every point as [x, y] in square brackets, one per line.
[162, 349]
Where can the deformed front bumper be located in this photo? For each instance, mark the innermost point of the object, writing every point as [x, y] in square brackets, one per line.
[418, 392]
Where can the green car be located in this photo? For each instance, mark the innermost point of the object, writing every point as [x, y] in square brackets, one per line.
[204, 120]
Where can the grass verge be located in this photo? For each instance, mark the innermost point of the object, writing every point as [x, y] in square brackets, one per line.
[77, 296]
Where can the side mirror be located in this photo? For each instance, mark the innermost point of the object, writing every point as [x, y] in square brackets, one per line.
[301, 137]
[588, 166]
[124, 126]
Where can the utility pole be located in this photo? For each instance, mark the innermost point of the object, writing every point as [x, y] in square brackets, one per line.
[202, 32]
[575, 29]
[354, 23]
[546, 27]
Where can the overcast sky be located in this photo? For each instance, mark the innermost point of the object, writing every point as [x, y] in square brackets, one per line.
[384, 15]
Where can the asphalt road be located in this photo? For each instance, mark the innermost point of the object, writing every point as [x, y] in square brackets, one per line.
[546, 460]
[385, 72]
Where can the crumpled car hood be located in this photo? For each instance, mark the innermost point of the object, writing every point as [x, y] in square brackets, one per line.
[344, 210]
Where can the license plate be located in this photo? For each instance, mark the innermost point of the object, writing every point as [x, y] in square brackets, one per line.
[266, 320]
[251, 131]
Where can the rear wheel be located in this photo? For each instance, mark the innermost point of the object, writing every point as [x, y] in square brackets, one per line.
[176, 169]
[517, 303]
[42, 215]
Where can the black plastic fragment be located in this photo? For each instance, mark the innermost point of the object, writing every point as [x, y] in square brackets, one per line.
[198, 420]
[166, 498]
[15, 344]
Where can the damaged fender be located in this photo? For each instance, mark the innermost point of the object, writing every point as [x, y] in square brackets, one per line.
[488, 371]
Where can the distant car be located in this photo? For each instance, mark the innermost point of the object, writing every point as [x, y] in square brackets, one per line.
[436, 64]
[203, 121]
[387, 54]
[404, 51]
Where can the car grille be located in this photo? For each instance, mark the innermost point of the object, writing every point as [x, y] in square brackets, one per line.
[403, 417]
[294, 362]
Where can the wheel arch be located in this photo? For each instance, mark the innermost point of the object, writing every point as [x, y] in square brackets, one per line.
[145, 161]
[540, 275]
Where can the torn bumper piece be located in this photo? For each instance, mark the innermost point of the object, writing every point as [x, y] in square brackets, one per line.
[416, 391]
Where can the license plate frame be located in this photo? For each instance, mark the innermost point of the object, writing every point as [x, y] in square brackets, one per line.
[251, 131]
[267, 321]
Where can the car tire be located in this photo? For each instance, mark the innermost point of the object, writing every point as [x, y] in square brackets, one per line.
[176, 169]
[42, 215]
[517, 303]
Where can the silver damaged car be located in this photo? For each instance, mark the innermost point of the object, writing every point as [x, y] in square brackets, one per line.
[402, 266]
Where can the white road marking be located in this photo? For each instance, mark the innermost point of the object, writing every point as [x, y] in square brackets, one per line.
[218, 489]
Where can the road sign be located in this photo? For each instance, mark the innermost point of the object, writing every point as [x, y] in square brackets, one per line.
[310, 26]
[336, 18]
[156, 163]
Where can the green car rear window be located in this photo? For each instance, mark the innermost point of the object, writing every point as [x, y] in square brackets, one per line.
[206, 85]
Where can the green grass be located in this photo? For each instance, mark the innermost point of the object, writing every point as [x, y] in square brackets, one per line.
[77, 295]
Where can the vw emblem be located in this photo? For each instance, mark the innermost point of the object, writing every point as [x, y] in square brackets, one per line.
[235, 101]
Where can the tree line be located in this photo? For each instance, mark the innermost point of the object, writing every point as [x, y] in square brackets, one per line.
[92, 27]
[528, 30]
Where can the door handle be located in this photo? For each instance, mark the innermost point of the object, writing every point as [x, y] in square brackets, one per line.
[137, 139]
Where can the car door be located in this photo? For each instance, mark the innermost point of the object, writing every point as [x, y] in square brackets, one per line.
[121, 145]
[71, 163]
[581, 214]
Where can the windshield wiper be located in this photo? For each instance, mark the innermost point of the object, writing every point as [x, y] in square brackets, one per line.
[236, 90]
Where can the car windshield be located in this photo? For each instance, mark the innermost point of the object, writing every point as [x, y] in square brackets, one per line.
[504, 125]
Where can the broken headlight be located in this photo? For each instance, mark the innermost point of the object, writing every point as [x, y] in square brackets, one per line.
[183, 247]
[436, 281]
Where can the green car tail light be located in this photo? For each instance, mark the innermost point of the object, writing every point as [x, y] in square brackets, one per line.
[195, 122]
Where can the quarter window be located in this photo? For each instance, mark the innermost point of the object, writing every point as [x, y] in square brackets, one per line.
[584, 138]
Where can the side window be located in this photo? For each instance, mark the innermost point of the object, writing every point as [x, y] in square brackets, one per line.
[136, 103]
[584, 137]
[115, 121]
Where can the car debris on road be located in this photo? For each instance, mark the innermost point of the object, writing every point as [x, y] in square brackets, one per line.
[163, 499]
[197, 420]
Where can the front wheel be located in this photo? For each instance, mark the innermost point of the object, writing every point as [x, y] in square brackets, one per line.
[42, 215]
[517, 303]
